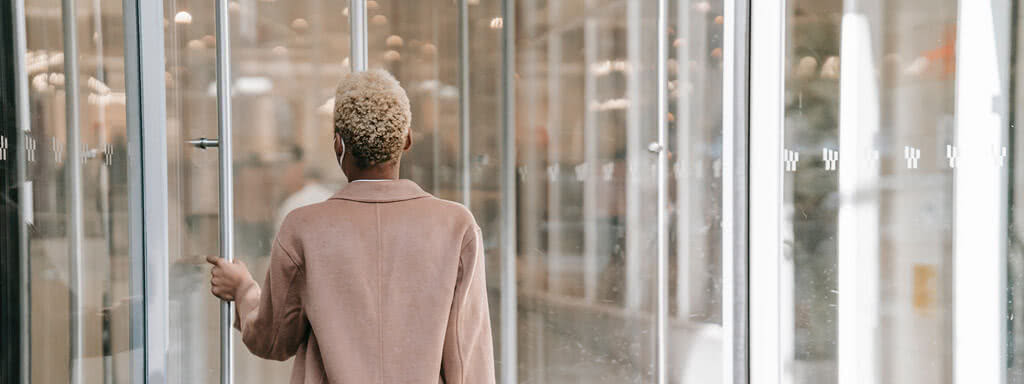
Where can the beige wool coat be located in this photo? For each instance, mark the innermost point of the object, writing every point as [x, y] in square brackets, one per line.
[382, 283]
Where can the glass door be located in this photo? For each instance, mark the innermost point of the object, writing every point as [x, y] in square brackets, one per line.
[285, 58]
[69, 152]
[884, 247]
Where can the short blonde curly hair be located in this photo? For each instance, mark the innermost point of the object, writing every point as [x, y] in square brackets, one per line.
[371, 112]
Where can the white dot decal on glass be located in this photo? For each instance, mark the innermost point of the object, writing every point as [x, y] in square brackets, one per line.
[581, 172]
[3, 148]
[952, 155]
[88, 153]
[553, 173]
[58, 150]
[912, 155]
[30, 149]
[790, 159]
[831, 159]
[108, 154]
[999, 155]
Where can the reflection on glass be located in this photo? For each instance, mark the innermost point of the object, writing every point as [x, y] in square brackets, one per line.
[695, 126]
[896, 121]
[417, 42]
[102, 310]
[286, 58]
[587, 236]
[586, 92]
[585, 299]
[484, 93]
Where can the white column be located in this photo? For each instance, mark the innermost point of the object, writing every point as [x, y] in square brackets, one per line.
[858, 209]
[980, 190]
[767, 47]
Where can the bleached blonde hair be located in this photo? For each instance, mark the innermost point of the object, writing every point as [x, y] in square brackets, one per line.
[371, 112]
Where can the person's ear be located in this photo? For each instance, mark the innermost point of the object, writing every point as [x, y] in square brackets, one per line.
[408, 141]
[339, 146]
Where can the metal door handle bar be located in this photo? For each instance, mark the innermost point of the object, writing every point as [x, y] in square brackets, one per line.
[227, 217]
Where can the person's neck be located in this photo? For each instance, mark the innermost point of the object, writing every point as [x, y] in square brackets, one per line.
[383, 172]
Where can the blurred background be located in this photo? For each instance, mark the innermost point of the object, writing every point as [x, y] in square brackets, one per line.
[585, 111]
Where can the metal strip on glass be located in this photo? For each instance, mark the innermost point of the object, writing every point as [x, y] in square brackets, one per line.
[509, 304]
[24, 210]
[73, 172]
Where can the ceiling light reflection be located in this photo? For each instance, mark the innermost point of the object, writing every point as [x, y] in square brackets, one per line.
[394, 41]
[183, 17]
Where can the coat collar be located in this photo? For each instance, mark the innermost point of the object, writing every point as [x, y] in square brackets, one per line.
[381, 191]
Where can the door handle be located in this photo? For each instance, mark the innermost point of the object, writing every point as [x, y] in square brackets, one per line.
[203, 143]
[227, 216]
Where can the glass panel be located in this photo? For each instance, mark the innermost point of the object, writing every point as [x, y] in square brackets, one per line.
[103, 292]
[586, 93]
[286, 58]
[484, 34]
[695, 75]
[885, 206]
[810, 213]
[417, 42]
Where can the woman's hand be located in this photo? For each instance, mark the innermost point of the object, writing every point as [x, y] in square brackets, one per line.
[227, 279]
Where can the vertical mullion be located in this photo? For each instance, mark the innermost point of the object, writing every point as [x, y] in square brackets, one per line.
[24, 126]
[555, 257]
[509, 304]
[148, 188]
[464, 95]
[980, 192]
[734, 192]
[357, 22]
[682, 153]
[73, 172]
[767, 48]
[637, 284]
[591, 163]
[661, 329]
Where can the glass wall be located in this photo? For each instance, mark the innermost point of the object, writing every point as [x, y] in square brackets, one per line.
[586, 94]
[75, 193]
[586, 90]
[896, 259]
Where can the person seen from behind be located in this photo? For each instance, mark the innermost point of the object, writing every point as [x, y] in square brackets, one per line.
[382, 282]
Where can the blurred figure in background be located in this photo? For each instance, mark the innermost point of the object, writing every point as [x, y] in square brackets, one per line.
[302, 187]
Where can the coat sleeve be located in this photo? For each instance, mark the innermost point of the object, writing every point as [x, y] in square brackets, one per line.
[272, 319]
[468, 352]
